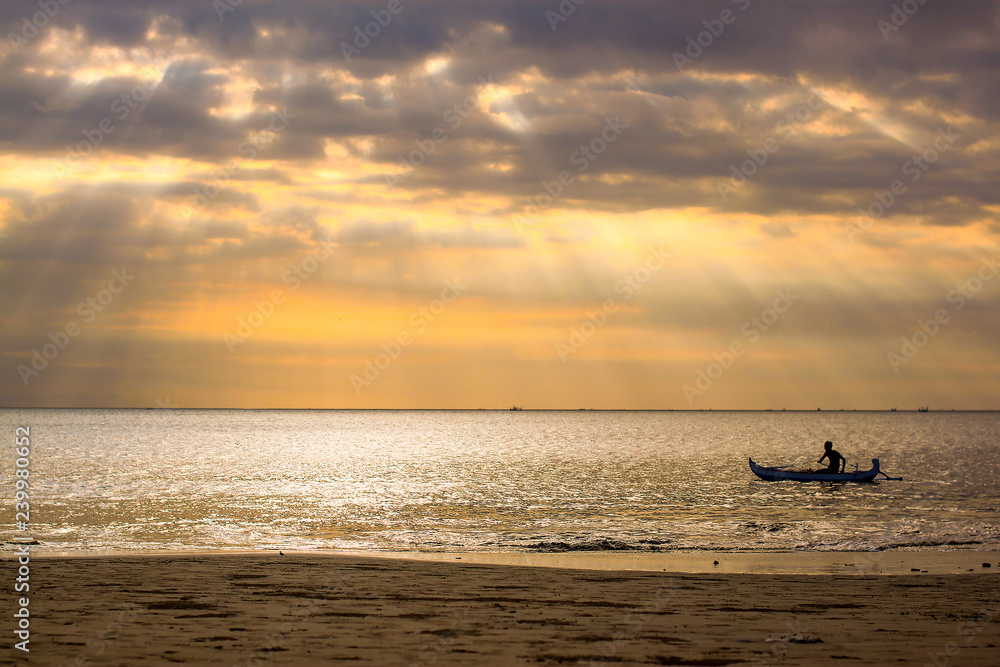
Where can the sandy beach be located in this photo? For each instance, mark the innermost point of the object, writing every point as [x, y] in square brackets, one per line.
[254, 609]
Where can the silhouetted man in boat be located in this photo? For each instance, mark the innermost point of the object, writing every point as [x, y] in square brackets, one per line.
[837, 462]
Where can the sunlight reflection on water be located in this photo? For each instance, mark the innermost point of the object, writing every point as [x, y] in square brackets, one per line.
[496, 481]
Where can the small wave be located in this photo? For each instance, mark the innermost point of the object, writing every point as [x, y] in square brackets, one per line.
[755, 527]
[8, 545]
[598, 545]
[930, 543]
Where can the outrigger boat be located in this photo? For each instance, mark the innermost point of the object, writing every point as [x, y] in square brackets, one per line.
[778, 473]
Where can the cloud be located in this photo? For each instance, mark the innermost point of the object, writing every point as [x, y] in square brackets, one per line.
[777, 230]
[687, 127]
[403, 234]
[804, 111]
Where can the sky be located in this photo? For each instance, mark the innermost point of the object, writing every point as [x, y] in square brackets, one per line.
[485, 203]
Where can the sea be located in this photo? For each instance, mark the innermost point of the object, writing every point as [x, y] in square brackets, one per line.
[496, 481]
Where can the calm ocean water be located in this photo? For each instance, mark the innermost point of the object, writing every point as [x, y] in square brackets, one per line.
[499, 481]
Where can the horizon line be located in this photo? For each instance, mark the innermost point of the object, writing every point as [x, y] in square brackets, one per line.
[519, 409]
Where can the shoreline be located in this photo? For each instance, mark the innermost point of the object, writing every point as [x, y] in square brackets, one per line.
[806, 563]
[247, 609]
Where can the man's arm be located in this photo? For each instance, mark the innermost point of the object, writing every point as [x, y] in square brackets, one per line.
[823, 457]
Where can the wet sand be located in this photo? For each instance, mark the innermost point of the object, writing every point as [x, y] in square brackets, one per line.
[266, 608]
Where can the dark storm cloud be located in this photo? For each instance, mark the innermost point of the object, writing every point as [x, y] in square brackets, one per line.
[774, 38]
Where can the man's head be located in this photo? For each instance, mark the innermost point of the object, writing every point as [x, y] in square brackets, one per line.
[828, 445]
